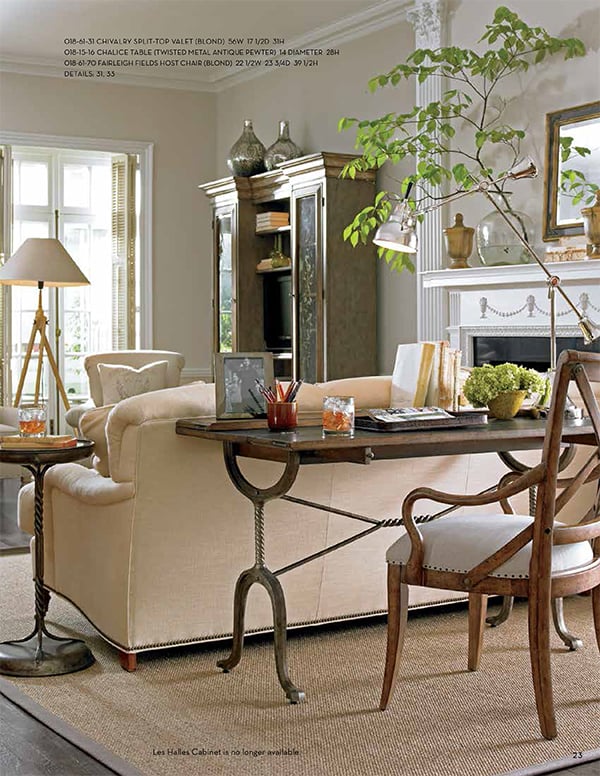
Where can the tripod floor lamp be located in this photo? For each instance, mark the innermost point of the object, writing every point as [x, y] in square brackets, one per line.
[41, 262]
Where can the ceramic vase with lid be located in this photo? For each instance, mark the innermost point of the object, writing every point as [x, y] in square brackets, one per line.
[497, 244]
[283, 149]
[247, 154]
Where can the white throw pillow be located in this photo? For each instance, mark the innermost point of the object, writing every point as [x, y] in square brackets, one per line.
[120, 382]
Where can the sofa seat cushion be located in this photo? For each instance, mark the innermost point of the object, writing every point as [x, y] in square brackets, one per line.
[121, 382]
[458, 543]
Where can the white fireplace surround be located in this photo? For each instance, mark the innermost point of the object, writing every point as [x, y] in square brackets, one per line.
[513, 301]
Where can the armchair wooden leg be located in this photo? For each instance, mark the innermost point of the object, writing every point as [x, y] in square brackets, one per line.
[477, 612]
[128, 660]
[397, 619]
[539, 649]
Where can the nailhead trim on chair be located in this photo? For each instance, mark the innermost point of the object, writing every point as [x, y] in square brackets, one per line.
[464, 571]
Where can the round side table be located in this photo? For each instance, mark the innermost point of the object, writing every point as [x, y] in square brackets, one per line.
[41, 653]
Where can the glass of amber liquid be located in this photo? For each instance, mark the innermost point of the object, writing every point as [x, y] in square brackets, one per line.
[338, 415]
[32, 420]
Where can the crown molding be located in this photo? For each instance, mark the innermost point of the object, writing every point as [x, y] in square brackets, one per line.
[372, 19]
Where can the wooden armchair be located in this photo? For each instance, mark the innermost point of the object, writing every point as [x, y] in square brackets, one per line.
[503, 554]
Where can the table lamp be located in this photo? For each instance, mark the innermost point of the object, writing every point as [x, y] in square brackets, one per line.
[398, 234]
[38, 262]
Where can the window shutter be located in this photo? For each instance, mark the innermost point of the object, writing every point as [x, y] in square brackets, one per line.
[5, 235]
[123, 251]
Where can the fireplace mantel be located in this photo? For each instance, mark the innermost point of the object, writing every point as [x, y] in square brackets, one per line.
[521, 275]
[513, 301]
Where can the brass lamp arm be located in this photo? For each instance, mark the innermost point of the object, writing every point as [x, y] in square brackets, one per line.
[586, 326]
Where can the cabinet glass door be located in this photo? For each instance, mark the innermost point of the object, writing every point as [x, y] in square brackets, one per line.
[309, 284]
[224, 301]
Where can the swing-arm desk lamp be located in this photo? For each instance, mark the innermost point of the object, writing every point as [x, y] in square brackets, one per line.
[398, 234]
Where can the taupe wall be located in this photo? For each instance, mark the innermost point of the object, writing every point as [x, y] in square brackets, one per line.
[554, 85]
[313, 100]
[182, 126]
[192, 133]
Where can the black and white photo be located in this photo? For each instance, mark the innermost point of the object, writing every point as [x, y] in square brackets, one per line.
[236, 376]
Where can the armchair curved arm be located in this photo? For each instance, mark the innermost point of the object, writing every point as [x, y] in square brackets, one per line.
[500, 494]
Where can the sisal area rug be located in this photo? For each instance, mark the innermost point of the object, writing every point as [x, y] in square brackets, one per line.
[178, 714]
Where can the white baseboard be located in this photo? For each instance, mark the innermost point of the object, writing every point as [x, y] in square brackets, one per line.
[191, 374]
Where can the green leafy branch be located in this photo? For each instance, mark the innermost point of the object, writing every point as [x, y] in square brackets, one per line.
[425, 134]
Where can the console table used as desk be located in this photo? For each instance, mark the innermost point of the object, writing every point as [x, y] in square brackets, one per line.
[307, 445]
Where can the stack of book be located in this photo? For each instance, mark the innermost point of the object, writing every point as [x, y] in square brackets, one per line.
[271, 220]
[426, 374]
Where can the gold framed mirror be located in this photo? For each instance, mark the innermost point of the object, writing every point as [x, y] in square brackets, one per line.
[582, 123]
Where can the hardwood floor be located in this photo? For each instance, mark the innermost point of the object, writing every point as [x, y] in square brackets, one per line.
[29, 748]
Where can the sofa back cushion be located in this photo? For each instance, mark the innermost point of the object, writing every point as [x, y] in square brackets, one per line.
[197, 399]
[368, 392]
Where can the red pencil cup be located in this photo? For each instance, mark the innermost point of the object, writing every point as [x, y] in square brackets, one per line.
[282, 415]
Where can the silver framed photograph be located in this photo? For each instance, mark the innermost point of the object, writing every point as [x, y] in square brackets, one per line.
[237, 393]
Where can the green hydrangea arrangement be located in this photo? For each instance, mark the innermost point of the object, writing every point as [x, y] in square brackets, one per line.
[486, 382]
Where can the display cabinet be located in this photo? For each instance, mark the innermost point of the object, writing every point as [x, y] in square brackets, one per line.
[317, 315]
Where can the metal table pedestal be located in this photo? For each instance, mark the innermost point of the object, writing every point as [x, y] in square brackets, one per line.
[41, 653]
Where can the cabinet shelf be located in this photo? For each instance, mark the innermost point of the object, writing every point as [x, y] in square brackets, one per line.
[273, 269]
[275, 230]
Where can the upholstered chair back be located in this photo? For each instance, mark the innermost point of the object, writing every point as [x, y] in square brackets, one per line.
[135, 359]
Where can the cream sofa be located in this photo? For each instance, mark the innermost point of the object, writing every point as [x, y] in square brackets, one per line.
[148, 544]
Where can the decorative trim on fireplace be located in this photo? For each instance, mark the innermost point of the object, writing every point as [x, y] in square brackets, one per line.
[462, 337]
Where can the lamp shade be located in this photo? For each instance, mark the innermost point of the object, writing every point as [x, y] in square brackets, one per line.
[42, 260]
[398, 232]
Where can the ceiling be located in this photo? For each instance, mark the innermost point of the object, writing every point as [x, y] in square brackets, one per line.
[33, 35]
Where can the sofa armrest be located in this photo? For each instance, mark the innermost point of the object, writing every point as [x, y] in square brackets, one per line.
[190, 400]
[74, 414]
[83, 484]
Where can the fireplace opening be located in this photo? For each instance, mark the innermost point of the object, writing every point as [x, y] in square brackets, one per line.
[530, 352]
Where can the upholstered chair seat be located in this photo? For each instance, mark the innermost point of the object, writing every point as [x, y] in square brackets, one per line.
[460, 543]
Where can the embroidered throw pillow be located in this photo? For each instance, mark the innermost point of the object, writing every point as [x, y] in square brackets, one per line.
[121, 382]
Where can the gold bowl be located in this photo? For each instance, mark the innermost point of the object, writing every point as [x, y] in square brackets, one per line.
[506, 405]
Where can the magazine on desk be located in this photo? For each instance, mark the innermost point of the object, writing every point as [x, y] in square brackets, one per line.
[417, 419]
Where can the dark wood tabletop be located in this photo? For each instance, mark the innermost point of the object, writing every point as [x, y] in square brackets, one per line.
[364, 446]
